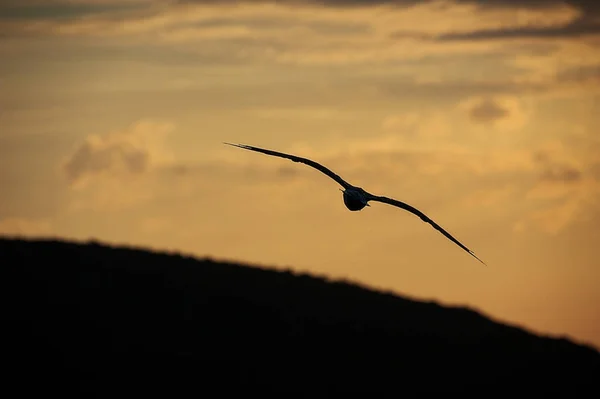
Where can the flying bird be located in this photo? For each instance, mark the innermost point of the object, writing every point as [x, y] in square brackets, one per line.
[355, 198]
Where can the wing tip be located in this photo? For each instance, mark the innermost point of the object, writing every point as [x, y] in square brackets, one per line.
[476, 257]
[237, 145]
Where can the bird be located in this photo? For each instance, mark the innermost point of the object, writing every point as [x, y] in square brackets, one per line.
[355, 198]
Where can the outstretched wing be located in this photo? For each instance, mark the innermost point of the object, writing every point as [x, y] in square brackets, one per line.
[294, 158]
[423, 217]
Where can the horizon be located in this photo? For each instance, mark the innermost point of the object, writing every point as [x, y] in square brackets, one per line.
[481, 114]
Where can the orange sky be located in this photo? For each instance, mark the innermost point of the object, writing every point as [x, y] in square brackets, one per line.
[113, 114]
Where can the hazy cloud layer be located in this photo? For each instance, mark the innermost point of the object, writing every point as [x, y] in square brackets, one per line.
[584, 4]
[274, 22]
[344, 33]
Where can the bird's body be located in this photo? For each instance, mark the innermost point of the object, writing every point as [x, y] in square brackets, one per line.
[356, 198]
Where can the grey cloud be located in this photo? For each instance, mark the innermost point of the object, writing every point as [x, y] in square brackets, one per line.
[90, 159]
[575, 29]
[325, 3]
[287, 171]
[580, 74]
[488, 111]
[65, 9]
[356, 3]
[561, 173]
[588, 6]
[16, 10]
[586, 25]
[28, 10]
[555, 171]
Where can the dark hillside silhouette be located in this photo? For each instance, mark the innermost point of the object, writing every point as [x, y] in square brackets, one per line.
[88, 320]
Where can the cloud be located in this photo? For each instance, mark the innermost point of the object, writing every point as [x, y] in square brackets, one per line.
[561, 173]
[587, 74]
[488, 111]
[124, 168]
[574, 29]
[414, 152]
[94, 157]
[525, 4]
[345, 34]
[118, 169]
[418, 150]
[502, 112]
[369, 24]
[33, 17]
[247, 18]
[128, 152]
[565, 187]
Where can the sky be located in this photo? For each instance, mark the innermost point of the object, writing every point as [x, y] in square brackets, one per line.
[484, 115]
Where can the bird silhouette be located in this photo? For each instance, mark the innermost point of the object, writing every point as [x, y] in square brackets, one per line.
[355, 198]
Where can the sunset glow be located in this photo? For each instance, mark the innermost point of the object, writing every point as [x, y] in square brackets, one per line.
[484, 115]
